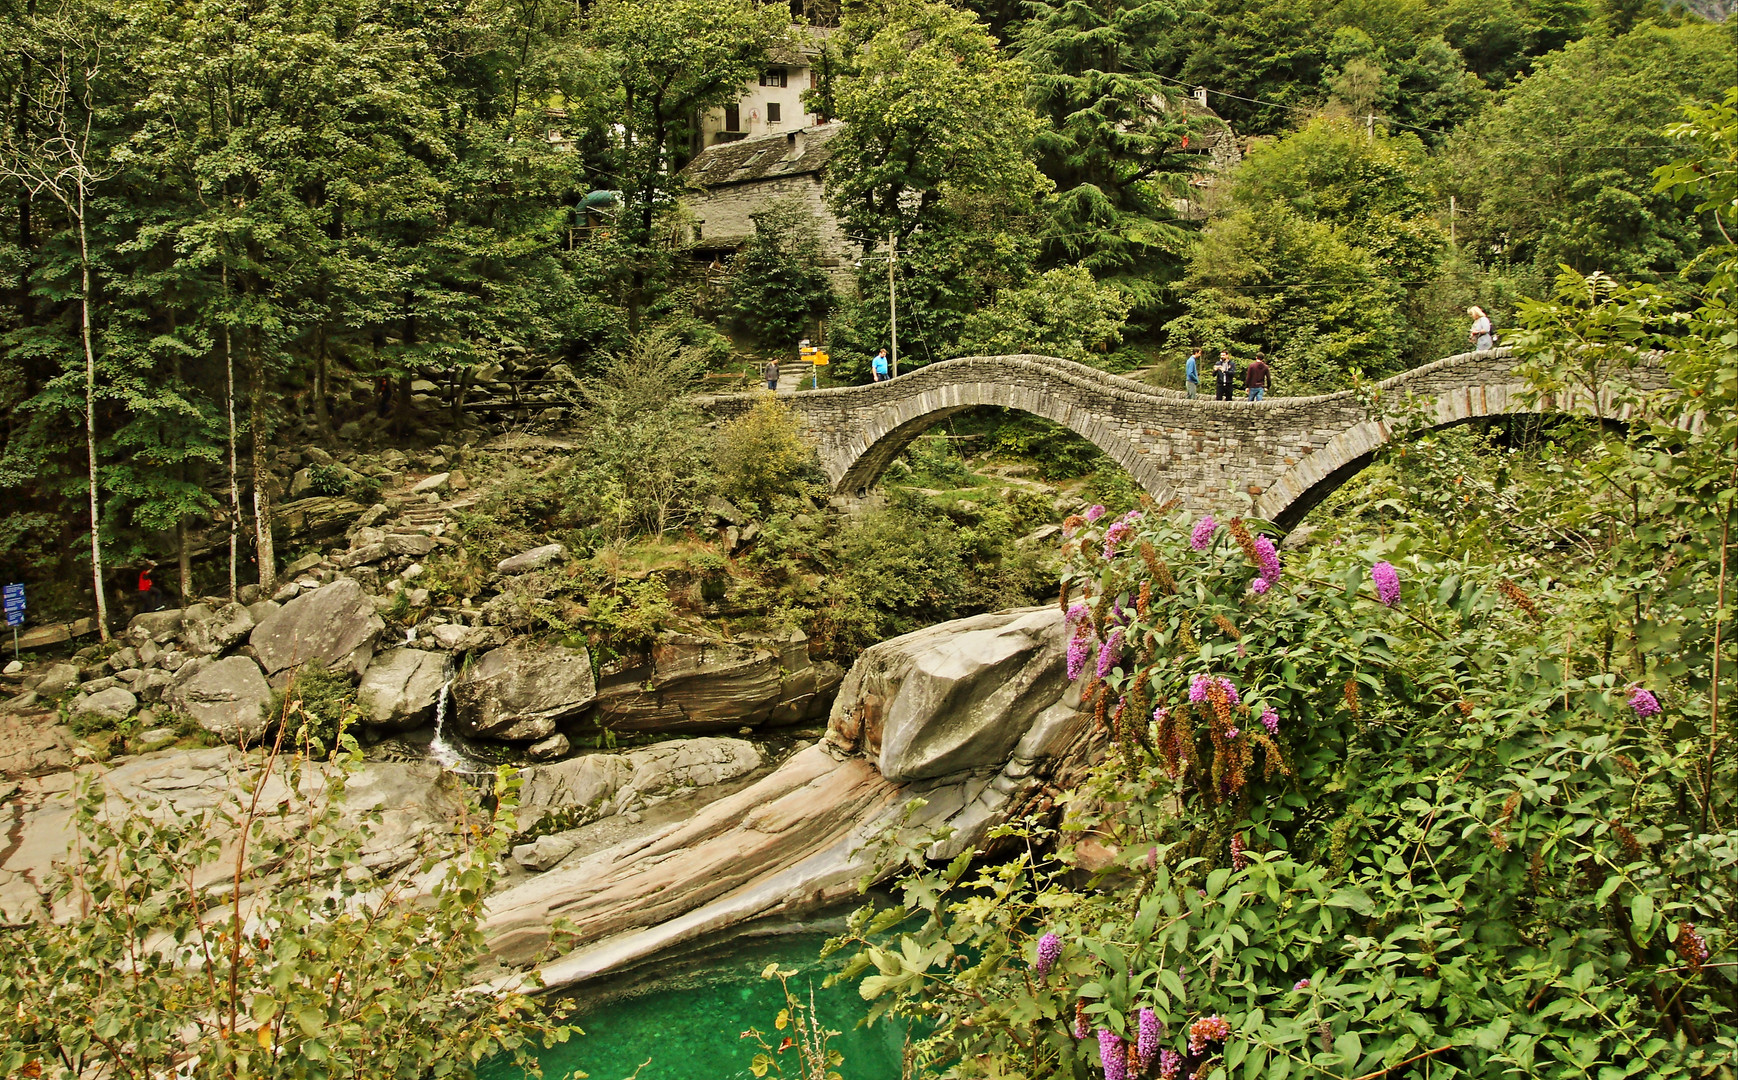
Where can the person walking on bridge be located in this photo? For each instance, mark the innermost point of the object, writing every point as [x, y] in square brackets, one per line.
[1255, 377]
[1192, 373]
[878, 366]
[1224, 377]
[1480, 334]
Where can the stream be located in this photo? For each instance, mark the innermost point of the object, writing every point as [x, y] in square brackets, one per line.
[687, 1021]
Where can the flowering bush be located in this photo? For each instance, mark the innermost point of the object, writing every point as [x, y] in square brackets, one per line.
[1454, 849]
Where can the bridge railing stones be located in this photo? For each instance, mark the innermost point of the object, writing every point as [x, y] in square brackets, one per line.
[1273, 458]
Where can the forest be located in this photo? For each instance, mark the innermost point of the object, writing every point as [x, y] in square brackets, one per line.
[232, 227]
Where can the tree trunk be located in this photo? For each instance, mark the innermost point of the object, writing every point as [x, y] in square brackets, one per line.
[262, 477]
[322, 418]
[234, 482]
[184, 561]
[90, 422]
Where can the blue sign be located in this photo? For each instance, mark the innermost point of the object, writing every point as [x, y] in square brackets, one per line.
[14, 600]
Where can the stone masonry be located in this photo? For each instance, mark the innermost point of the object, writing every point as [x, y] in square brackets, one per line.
[1273, 459]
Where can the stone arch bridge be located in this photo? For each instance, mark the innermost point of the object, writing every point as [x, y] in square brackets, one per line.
[1284, 454]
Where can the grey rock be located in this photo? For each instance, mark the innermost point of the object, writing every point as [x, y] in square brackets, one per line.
[419, 598]
[431, 484]
[519, 692]
[367, 553]
[302, 565]
[556, 746]
[12, 667]
[57, 680]
[546, 851]
[953, 697]
[250, 594]
[129, 676]
[317, 456]
[593, 785]
[301, 483]
[724, 510]
[409, 544]
[158, 626]
[400, 688]
[123, 658]
[335, 624]
[535, 559]
[258, 611]
[449, 635]
[229, 698]
[156, 738]
[288, 591]
[23, 702]
[171, 659]
[113, 703]
[97, 686]
[153, 684]
[210, 632]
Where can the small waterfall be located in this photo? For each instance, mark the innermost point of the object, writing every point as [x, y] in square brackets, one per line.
[444, 753]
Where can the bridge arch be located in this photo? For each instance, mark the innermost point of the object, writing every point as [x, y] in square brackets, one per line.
[1043, 386]
[1303, 487]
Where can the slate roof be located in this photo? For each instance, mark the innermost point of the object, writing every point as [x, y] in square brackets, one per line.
[764, 157]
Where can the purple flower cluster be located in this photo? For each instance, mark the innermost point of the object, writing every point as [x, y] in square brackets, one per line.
[1270, 720]
[1113, 1053]
[1387, 581]
[1049, 949]
[1643, 702]
[1302, 984]
[1200, 684]
[1094, 513]
[1260, 585]
[1269, 556]
[1170, 1064]
[1160, 713]
[1110, 653]
[1203, 533]
[1078, 613]
[1078, 648]
[1205, 1030]
[1116, 534]
[1239, 855]
[1147, 1043]
[1691, 946]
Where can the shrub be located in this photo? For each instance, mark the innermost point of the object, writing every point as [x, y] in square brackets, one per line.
[764, 454]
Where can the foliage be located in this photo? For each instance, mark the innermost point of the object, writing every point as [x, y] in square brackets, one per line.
[1062, 312]
[1559, 171]
[777, 289]
[324, 707]
[1115, 135]
[815, 1059]
[764, 454]
[1396, 799]
[252, 937]
[933, 110]
[644, 444]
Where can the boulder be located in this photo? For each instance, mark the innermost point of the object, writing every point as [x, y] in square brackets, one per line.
[209, 632]
[556, 746]
[416, 544]
[535, 559]
[158, 626]
[400, 688]
[112, 704]
[304, 564]
[519, 691]
[367, 553]
[58, 679]
[40, 637]
[436, 482]
[152, 684]
[952, 697]
[259, 610]
[335, 624]
[229, 698]
[594, 785]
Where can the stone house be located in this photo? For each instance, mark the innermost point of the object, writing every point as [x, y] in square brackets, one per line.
[732, 181]
[773, 103]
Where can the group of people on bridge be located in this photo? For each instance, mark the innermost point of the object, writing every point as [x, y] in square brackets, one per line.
[1225, 372]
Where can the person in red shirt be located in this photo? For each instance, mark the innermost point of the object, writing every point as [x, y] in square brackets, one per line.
[1255, 377]
[150, 596]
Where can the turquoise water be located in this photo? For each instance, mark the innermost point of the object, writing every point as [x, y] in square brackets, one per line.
[690, 1022]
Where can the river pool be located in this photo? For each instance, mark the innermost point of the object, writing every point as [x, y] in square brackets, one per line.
[689, 1021]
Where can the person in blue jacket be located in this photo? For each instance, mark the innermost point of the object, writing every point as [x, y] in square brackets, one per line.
[878, 367]
[1192, 372]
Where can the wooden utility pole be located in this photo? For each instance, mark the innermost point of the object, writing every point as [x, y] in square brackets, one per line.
[1451, 211]
[892, 304]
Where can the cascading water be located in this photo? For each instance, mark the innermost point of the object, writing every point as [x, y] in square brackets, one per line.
[444, 753]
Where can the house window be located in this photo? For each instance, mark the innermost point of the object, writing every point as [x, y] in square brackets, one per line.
[773, 77]
[733, 118]
[772, 112]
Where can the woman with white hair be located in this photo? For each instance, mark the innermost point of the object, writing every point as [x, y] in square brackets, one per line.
[1480, 334]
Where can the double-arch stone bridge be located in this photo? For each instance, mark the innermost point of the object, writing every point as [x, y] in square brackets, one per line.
[1284, 454]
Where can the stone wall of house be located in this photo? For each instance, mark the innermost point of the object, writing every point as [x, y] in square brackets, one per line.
[725, 214]
[1273, 458]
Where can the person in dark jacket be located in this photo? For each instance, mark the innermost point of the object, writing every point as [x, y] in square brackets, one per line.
[1255, 377]
[1224, 377]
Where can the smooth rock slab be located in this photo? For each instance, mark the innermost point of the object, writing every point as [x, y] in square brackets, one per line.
[535, 559]
[519, 691]
[229, 698]
[113, 704]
